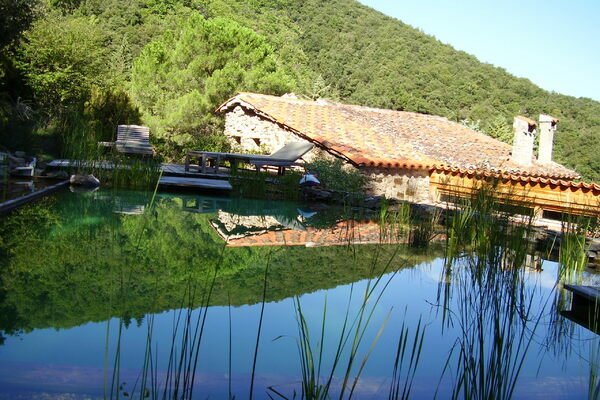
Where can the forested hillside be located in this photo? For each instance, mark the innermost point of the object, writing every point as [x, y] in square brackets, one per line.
[72, 69]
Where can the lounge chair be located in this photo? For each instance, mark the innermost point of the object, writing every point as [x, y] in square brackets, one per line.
[132, 139]
[21, 166]
[283, 158]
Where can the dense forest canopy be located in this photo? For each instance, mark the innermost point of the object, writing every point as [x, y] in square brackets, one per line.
[72, 65]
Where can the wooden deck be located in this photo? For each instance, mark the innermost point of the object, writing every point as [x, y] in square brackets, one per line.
[189, 179]
[196, 183]
[179, 170]
[585, 306]
[166, 168]
[584, 294]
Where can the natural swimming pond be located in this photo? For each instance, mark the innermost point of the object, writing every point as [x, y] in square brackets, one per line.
[115, 294]
[12, 188]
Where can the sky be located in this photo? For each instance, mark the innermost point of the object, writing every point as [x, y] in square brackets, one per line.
[554, 43]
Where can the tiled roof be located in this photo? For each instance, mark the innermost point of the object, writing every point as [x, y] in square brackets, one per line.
[393, 139]
[525, 179]
[342, 233]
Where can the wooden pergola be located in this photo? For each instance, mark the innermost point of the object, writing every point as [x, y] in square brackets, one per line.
[539, 193]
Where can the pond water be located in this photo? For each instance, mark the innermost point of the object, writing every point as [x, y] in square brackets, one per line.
[13, 187]
[117, 294]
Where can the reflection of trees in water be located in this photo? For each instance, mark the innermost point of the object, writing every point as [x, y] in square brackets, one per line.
[73, 259]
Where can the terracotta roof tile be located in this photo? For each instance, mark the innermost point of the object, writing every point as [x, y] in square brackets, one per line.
[394, 139]
[520, 178]
[357, 232]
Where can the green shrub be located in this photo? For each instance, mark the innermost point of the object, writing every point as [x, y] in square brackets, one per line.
[334, 174]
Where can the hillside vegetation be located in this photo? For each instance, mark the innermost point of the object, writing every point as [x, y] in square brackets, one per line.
[73, 66]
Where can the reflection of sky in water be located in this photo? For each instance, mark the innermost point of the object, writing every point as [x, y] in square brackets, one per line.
[73, 358]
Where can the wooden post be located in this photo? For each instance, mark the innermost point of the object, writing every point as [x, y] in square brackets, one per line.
[217, 163]
[203, 162]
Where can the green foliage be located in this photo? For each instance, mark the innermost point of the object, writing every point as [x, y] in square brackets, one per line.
[48, 279]
[202, 51]
[15, 16]
[65, 61]
[63, 58]
[334, 174]
[180, 79]
[500, 129]
[15, 112]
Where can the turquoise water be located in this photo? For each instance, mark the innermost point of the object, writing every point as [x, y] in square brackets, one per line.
[97, 288]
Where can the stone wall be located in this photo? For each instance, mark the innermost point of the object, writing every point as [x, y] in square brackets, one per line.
[403, 184]
[249, 132]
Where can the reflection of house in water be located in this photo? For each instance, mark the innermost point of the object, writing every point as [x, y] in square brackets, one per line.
[204, 205]
[243, 231]
[532, 262]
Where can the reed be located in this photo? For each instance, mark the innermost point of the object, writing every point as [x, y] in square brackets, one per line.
[594, 380]
[574, 246]
[483, 291]
[403, 375]
[178, 380]
[80, 143]
[320, 377]
[265, 185]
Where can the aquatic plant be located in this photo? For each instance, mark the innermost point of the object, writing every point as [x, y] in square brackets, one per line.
[108, 165]
[333, 174]
[483, 291]
[350, 353]
[265, 185]
[403, 375]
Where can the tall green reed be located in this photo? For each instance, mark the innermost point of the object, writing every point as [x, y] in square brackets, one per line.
[572, 258]
[339, 375]
[482, 290]
[573, 246]
[403, 375]
[80, 144]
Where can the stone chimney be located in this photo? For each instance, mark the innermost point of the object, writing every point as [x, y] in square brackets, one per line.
[524, 129]
[547, 129]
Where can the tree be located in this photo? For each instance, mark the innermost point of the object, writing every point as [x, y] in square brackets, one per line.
[500, 129]
[62, 58]
[179, 80]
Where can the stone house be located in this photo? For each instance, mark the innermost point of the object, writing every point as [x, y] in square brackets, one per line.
[411, 156]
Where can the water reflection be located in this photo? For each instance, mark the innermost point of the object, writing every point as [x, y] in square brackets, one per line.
[108, 292]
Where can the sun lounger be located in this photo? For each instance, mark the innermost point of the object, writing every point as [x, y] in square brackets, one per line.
[283, 158]
[132, 139]
[21, 166]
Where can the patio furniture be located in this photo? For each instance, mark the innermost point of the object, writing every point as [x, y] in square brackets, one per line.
[283, 158]
[21, 166]
[132, 139]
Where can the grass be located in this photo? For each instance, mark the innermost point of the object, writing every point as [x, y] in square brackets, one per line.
[403, 375]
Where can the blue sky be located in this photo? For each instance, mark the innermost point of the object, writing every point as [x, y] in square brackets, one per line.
[555, 44]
